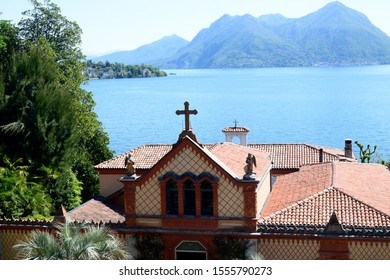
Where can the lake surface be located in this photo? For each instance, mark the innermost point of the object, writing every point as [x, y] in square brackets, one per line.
[320, 106]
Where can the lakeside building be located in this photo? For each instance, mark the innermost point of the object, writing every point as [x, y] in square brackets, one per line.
[190, 200]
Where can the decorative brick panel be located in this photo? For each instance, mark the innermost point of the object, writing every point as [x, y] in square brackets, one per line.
[9, 238]
[231, 200]
[288, 249]
[148, 198]
[368, 250]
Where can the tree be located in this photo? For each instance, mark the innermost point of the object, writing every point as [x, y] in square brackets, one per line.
[365, 153]
[46, 23]
[72, 241]
[9, 44]
[46, 118]
[37, 123]
[20, 197]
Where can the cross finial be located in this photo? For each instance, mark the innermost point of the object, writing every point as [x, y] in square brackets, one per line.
[187, 112]
[235, 123]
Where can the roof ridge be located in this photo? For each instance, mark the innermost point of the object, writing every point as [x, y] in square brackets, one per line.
[362, 202]
[277, 144]
[153, 145]
[333, 175]
[84, 203]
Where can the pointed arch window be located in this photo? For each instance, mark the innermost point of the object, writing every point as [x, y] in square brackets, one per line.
[172, 198]
[206, 190]
[189, 198]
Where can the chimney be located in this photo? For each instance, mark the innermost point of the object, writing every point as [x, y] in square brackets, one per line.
[321, 155]
[348, 148]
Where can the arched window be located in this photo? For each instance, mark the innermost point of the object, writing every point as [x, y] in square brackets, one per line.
[206, 190]
[189, 194]
[191, 250]
[189, 198]
[172, 198]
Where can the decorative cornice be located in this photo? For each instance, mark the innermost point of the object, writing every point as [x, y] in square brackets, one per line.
[188, 174]
[268, 229]
[4, 222]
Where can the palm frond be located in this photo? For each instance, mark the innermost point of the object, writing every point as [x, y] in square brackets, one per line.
[13, 128]
[39, 246]
[73, 241]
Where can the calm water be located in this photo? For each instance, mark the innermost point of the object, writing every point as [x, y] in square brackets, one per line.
[321, 106]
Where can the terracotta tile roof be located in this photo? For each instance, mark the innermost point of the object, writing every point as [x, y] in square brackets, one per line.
[284, 156]
[316, 211]
[359, 194]
[293, 156]
[97, 210]
[233, 156]
[235, 129]
[291, 188]
[144, 157]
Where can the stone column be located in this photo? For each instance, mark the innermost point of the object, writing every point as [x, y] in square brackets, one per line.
[250, 205]
[130, 185]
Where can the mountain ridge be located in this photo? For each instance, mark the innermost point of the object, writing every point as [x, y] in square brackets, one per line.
[164, 47]
[332, 35]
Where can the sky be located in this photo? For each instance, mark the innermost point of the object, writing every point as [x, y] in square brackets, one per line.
[113, 25]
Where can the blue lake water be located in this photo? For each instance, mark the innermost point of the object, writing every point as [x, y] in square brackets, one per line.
[320, 106]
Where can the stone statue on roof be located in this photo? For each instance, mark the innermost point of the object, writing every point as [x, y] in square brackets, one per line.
[130, 169]
[250, 162]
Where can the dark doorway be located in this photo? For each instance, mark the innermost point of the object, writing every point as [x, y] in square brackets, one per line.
[191, 256]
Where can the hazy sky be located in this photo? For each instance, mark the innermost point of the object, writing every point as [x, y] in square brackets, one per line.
[110, 25]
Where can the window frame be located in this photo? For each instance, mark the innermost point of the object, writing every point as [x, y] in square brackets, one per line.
[197, 182]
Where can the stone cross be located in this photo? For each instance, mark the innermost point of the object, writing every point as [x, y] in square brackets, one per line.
[187, 112]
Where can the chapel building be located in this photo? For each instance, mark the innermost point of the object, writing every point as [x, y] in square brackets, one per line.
[298, 201]
[190, 200]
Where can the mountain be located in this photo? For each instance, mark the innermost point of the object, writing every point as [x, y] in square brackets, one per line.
[333, 35]
[273, 20]
[233, 41]
[145, 54]
[337, 34]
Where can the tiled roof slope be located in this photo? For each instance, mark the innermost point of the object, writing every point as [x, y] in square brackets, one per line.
[284, 156]
[359, 194]
[293, 156]
[144, 157]
[97, 210]
[233, 156]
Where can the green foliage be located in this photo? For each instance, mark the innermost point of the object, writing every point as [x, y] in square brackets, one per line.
[149, 247]
[365, 153]
[379, 158]
[72, 241]
[19, 197]
[46, 118]
[9, 44]
[231, 248]
[45, 22]
[107, 70]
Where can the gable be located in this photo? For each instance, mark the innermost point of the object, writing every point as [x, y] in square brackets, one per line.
[189, 158]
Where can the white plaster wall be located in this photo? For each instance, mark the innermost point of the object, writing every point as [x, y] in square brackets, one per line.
[109, 184]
